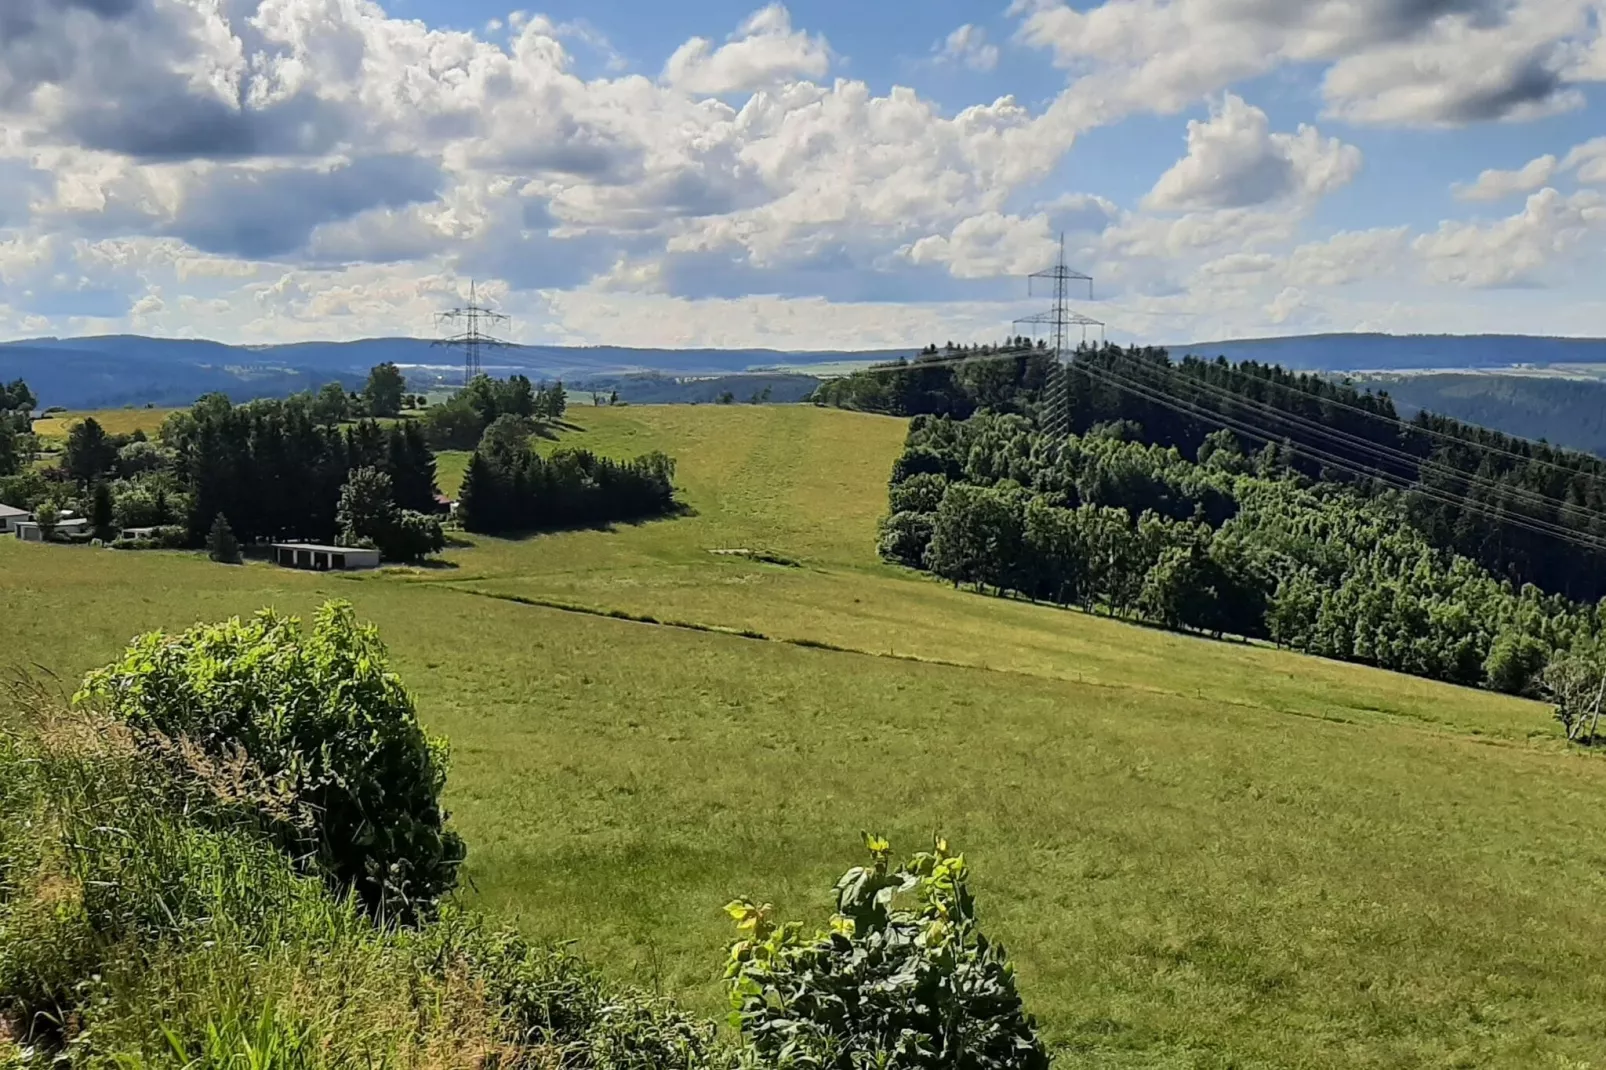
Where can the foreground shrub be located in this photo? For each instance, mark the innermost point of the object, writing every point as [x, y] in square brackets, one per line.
[885, 987]
[147, 921]
[322, 717]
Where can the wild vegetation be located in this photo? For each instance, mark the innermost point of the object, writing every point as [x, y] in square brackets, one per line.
[461, 422]
[508, 488]
[1197, 853]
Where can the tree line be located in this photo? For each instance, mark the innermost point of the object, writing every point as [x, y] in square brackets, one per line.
[509, 487]
[16, 426]
[1519, 508]
[218, 474]
[1228, 542]
[460, 422]
[272, 469]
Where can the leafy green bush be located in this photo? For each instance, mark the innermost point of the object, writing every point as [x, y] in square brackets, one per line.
[166, 537]
[368, 516]
[321, 715]
[920, 493]
[905, 537]
[147, 921]
[414, 537]
[1514, 663]
[885, 987]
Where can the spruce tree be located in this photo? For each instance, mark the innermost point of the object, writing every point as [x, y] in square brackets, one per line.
[221, 545]
[100, 512]
[478, 504]
[411, 467]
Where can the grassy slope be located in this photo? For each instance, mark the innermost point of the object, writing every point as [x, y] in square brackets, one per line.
[1200, 854]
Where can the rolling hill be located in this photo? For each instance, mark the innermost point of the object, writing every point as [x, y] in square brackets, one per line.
[112, 370]
[1199, 854]
[1568, 411]
[1385, 352]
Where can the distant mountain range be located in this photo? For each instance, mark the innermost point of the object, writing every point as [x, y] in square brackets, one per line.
[1403, 352]
[114, 370]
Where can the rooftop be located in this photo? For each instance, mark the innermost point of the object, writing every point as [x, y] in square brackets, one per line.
[11, 510]
[324, 549]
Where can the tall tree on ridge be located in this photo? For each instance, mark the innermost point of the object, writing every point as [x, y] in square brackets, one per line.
[383, 394]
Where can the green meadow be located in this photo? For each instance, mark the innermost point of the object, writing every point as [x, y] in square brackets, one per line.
[1200, 854]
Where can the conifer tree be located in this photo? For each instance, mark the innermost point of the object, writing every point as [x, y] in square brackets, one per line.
[411, 467]
[221, 545]
[101, 520]
[478, 506]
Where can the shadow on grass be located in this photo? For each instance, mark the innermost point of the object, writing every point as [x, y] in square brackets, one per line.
[547, 429]
[681, 511]
[433, 564]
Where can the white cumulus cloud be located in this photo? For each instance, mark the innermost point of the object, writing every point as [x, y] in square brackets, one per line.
[969, 45]
[764, 51]
[1234, 160]
[1424, 62]
[1494, 184]
[1514, 250]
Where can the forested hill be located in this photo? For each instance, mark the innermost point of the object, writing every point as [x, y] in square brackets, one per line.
[1570, 413]
[1528, 512]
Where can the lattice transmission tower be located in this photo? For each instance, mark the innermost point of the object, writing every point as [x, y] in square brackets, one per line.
[1056, 325]
[467, 325]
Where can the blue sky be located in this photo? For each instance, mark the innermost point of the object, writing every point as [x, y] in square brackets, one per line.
[803, 175]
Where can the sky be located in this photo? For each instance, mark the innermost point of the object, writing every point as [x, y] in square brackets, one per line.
[822, 174]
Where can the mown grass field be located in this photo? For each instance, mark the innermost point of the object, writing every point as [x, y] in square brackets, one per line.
[1200, 854]
[115, 421]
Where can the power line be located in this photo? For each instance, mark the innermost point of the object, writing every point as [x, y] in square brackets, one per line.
[1376, 448]
[1583, 540]
[1419, 429]
[1059, 319]
[1380, 450]
[471, 339]
[1395, 481]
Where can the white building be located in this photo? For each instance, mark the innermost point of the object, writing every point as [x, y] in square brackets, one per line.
[319, 558]
[30, 531]
[11, 516]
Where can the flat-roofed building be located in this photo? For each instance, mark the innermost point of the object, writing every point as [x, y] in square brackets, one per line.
[319, 558]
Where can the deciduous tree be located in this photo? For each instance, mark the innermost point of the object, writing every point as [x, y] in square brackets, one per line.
[383, 393]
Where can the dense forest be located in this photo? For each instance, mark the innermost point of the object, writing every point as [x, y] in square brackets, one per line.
[1525, 511]
[1570, 413]
[1225, 543]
